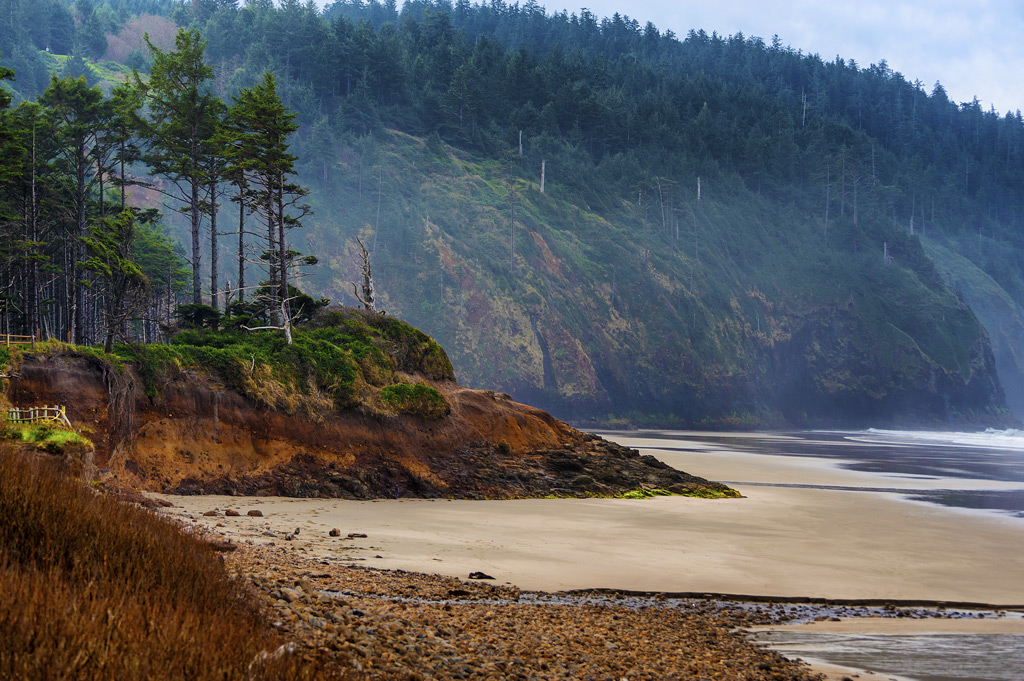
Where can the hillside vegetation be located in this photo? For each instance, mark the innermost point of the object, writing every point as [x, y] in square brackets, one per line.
[729, 231]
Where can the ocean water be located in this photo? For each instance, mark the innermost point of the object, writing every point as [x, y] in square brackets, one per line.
[948, 468]
[983, 471]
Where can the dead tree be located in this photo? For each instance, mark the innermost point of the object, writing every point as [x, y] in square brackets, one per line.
[286, 324]
[366, 279]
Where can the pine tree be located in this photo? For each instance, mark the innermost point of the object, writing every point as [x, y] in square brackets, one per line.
[27, 176]
[109, 249]
[79, 115]
[183, 118]
[124, 130]
[261, 125]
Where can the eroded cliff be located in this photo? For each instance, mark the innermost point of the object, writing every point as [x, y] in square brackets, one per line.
[189, 430]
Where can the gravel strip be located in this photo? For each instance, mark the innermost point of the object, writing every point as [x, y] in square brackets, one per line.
[404, 625]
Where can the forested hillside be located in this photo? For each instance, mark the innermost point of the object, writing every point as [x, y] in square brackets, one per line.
[613, 221]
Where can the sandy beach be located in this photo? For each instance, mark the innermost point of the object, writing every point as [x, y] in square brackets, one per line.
[826, 533]
[777, 541]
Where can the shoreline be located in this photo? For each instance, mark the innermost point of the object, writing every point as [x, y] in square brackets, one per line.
[303, 594]
[826, 537]
[807, 600]
[438, 540]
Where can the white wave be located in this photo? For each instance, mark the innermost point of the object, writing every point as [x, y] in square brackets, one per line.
[1009, 439]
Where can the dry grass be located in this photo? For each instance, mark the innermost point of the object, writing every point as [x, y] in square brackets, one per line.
[96, 589]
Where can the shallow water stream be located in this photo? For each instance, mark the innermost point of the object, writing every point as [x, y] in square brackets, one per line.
[928, 657]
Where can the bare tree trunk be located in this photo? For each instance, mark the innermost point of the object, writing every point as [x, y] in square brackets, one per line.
[283, 257]
[366, 279]
[214, 288]
[828, 193]
[123, 183]
[33, 284]
[77, 326]
[169, 294]
[197, 257]
[241, 250]
[271, 257]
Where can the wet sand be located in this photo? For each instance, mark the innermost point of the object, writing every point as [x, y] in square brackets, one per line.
[780, 542]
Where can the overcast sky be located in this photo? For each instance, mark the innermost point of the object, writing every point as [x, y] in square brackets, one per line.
[974, 47]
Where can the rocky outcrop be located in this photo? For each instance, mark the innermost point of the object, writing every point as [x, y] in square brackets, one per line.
[197, 436]
[830, 371]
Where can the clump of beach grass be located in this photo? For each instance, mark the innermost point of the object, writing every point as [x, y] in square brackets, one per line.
[97, 589]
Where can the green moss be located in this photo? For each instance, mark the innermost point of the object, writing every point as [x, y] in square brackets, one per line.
[712, 493]
[419, 399]
[47, 437]
[698, 492]
[643, 494]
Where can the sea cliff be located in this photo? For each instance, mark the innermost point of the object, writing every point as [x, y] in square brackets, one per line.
[390, 421]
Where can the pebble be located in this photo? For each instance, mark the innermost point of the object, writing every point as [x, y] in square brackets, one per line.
[398, 624]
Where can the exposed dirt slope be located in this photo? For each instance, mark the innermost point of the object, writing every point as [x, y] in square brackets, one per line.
[196, 436]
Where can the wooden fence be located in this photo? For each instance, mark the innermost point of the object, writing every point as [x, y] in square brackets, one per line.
[56, 413]
[11, 339]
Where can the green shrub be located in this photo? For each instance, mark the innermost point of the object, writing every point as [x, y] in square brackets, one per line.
[327, 361]
[47, 437]
[198, 316]
[419, 399]
[40, 432]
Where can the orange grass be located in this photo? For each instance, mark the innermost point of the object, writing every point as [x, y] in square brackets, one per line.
[95, 589]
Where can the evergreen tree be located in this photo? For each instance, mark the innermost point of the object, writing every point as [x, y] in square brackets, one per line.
[30, 190]
[76, 67]
[161, 261]
[124, 130]
[109, 249]
[92, 36]
[182, 119]
[79, 115]
[261, 125]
